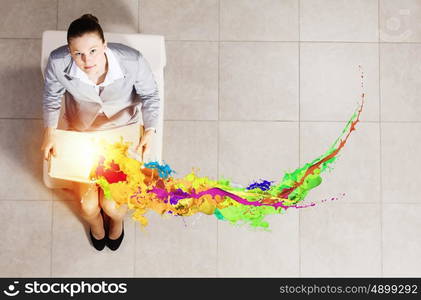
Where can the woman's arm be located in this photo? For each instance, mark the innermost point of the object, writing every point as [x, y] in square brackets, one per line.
[147, 89]
[48, 143]
[53, 91]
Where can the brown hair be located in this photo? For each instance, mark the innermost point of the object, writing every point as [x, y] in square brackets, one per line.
[85, 24]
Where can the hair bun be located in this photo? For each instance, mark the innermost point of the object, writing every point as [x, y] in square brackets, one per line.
[90, 17]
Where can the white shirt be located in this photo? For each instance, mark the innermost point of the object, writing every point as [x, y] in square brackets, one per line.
[114, 72]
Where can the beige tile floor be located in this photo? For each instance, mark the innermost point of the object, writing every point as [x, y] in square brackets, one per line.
[251, 91]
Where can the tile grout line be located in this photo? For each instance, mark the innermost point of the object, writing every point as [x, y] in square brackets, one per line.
[243, 41]
[135, 250]
[299, 129]
[258, 121]
[279, 41]
[380, 142]
[30, 200]
[139, 30]
[138, 16]
[52, 235]
[358, 203]
[140, 22]
[287, 41]
[57, 2]
[353, 203]
[276, 121]
[217, 131]
[249, 41]
[51, 192]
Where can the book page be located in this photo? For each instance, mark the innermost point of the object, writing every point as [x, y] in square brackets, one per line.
[75, 156]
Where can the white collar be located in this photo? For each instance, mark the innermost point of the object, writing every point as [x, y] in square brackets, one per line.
[114, 71]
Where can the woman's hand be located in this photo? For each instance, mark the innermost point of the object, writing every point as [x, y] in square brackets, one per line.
[145, 143]
[48, 144]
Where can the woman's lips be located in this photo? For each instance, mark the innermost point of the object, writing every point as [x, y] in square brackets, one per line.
[89, 67]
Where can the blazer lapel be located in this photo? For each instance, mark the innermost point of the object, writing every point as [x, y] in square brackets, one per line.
[88, 92]
[110, 90]
[85, 90]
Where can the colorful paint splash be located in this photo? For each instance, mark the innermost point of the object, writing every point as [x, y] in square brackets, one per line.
[152, 186]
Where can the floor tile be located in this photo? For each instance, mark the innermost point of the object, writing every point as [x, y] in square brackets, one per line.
[27, 18]
[400, 80]
[399, 21]
[74, 256]
[401, 240]
[250, 151]
[259, 81]
[355, 173]
[247, 252]
[341, 240]
[181, 19]
[113, 16]
[331, 20]
[330, 81]
[400, 161]
[21, 177]
[191, 144]
[176, 246]
[26, 249]
[241, 20]
[21, 81]
[191, 81]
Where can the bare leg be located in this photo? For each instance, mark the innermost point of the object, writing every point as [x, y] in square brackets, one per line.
[116, 215]
[90, 209]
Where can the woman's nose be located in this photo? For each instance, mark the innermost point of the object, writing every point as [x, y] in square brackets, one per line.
[85, 58]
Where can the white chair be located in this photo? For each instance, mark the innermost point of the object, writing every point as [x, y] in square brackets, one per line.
[153, 49]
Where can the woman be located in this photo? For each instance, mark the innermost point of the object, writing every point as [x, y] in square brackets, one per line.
[104, 85]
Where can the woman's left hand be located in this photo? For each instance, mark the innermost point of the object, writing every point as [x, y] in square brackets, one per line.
[144, 144]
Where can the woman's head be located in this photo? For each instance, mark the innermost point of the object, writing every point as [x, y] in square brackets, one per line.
[87, 44]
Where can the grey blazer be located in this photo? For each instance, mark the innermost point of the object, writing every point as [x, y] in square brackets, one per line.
[120, 101]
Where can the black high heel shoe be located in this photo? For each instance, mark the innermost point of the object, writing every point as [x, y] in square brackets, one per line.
[98, 244]
[115, 244]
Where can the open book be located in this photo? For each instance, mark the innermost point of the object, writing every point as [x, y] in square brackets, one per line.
[75, 156]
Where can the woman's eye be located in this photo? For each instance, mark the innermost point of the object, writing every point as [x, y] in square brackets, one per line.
[93, 50]
[77, 54]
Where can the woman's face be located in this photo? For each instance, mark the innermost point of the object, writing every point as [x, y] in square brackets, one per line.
[88, 52]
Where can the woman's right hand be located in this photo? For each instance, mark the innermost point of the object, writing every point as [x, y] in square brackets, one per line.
[48, 144]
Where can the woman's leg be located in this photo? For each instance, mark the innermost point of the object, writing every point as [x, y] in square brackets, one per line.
[90, 209]
[130, 133]
[115, 213]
